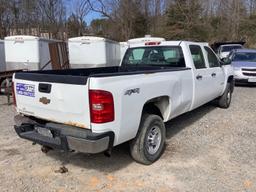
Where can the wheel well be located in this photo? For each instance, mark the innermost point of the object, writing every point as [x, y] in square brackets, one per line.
[158, 106]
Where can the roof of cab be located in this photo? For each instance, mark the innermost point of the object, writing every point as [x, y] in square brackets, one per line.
[230, 45]
[246, 50]
[169, 43]
[145, 39]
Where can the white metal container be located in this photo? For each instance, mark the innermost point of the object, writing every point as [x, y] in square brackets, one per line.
[2, 56]
[88, 52]
[27, 53]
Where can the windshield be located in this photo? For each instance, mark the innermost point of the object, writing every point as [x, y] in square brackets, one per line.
[249, 57]
[156, 55]
[230, 48]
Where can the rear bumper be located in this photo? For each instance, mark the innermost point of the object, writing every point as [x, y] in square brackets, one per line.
[64, 137]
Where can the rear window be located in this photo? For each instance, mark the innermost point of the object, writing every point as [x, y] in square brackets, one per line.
[156, 55]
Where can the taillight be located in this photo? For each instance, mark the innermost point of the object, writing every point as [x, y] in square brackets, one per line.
[152, 43]
[101, 106]
[13, 94]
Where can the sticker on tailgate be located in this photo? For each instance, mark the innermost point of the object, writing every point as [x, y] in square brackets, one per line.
[25, 89]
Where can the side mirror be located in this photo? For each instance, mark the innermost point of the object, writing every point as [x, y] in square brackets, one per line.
[226, 61]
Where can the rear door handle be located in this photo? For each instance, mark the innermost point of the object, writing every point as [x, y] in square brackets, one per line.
[213, 74]
[199, 77]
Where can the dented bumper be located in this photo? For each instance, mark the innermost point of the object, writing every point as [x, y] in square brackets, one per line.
[63, 137]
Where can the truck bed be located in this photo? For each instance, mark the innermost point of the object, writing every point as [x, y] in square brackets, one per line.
[80, 76]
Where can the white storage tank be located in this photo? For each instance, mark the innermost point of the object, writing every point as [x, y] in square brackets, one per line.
[2, 57]
[89, 51]
[27, 53]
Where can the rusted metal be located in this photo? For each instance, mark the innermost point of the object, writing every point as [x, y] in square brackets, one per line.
[75, 124]
[59, 55]
[8, 74]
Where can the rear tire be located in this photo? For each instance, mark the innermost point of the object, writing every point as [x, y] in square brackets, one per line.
[225, 99]
[148, 145]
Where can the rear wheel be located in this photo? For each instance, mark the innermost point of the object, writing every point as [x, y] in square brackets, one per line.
[225, 99]
[148, 145]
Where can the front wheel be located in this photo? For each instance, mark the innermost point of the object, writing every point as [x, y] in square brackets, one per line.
[148, 145]
[225, 99]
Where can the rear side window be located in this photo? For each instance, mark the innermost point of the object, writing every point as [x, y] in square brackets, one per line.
[198, 57]
[212, 59]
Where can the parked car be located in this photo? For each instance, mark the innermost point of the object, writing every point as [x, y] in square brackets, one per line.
[244, 64]
[93, 110]
[223, 49]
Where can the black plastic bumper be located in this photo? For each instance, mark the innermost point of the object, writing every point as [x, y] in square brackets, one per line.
[64, 137]
[244, 81]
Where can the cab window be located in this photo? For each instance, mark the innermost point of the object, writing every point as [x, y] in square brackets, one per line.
[170, 56]
[212, 59]
[198, 57]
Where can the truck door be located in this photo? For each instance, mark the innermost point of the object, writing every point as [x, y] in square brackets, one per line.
[216, 72]
[202, 78]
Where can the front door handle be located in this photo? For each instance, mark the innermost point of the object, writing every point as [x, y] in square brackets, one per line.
[199, 77]
[213, 74]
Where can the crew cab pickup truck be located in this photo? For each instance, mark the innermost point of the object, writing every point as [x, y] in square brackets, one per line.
[93, 110]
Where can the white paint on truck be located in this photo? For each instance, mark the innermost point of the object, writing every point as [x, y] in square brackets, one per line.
[169, 78]
[145, 40]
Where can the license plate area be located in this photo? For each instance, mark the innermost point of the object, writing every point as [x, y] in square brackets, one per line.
[43, 131]
[252, 80]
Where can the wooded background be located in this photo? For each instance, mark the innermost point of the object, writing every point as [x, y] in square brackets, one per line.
[200, 20]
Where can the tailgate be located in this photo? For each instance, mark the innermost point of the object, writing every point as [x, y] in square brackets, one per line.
[57, 98]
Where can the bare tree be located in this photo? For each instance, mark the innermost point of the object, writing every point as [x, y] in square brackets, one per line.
[81, 8]
[54, 16]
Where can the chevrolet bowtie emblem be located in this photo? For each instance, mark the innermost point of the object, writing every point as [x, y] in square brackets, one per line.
[44, 100]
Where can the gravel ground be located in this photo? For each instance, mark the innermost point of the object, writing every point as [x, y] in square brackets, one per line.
[209, 149]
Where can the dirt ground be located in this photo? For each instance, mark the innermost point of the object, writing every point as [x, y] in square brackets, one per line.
[209, 149]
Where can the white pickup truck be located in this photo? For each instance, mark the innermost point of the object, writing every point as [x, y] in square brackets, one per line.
[92, 110]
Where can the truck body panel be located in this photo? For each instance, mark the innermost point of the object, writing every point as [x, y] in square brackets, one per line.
[189, 76]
